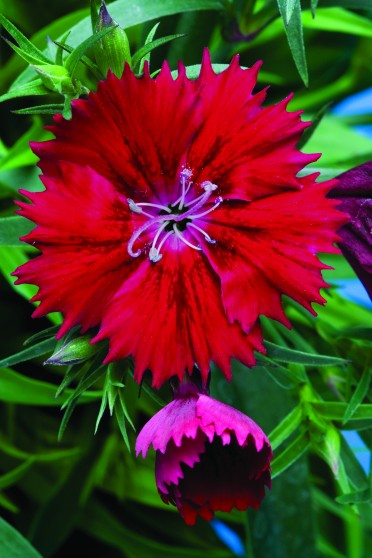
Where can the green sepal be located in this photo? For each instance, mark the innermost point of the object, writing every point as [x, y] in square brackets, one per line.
[55, 108]
[58, 79]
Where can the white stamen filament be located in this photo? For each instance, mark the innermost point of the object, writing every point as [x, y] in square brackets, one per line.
[162, 221]
[179, 235]
[217, 202]
[156, 205]
[206, 235]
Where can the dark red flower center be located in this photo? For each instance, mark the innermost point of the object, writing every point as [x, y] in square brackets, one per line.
[179, 217]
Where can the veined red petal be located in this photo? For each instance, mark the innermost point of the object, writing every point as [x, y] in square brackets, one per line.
[266, 249]
[162, 114]
[247, 150]
[82, 220]
[170, 316]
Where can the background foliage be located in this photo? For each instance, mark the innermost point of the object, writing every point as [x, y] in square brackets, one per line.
[64, 487]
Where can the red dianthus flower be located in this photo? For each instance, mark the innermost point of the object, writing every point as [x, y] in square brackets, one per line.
[173, 217]
[209, 456]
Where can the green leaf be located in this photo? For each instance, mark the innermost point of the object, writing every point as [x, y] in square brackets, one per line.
[32, 352]
[13, 544]
[23, 54]
[277, 529]
[12, 228]
[10, 259]
[291, 454]
[354, 4]
[286, 377]
[20, 154]
[34, 87]
[285, 428]
[121, 417]
[293, 30]
[101, 523]
[12, 477]
[313, 5]
[358, 497]
[59, 515]
[356, 475]
[22, 390]
[336, 411]
[315, 123]
[94, 373]
[44, 457]
[23, 42]
[93, 14]
[283, 354]
[148, 47]
[286, 8]
[358, 395]
[338, 20]
[8, 504]
[43, 334]
[148, 40]
[139, 11]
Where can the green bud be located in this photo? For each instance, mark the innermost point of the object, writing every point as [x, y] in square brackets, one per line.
[74, 351]
[113, 50]
[58, 79]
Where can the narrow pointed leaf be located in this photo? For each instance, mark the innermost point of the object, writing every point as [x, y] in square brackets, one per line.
[290, 454]
[84, 59]
[11, 228]
[120, 417]
[315, 123]
[147, 48]
[44, 334]
[149, 39]
[95, 372]
[283, 354]
[23, 42]
[22, 390]
[13, 476]
[293, 30]
[35, 351]
[24, 54]
[358, 395]
[286, 427]
[93, 14]
[34, 87]
[13, 544]
[359, 497]
[336, 411]
[101, 411]
[286, 8]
